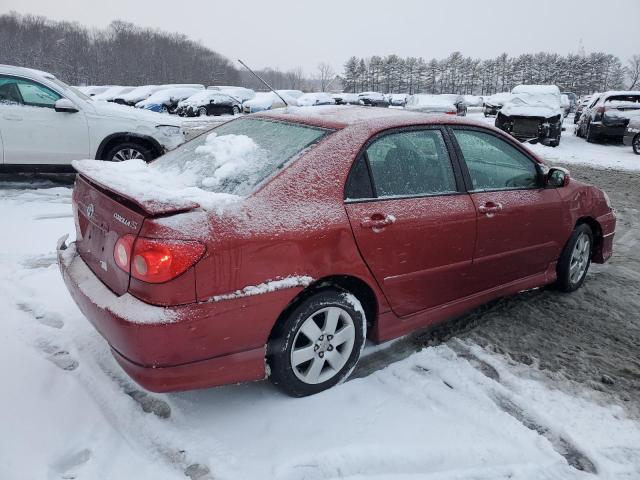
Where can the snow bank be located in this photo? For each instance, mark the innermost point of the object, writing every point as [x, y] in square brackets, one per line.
[187, 180]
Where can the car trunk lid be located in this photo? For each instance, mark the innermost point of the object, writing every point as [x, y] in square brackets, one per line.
[101, 218]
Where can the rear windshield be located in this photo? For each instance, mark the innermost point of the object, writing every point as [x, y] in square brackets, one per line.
[631, 101]
[236, 156]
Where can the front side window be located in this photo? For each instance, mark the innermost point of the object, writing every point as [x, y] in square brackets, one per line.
[15, 90]
[411, 163]
[493, 164]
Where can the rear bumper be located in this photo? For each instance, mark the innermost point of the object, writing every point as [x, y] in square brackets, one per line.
[612, 131]
[176, 348]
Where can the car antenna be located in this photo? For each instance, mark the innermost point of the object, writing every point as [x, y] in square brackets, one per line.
[263, 81]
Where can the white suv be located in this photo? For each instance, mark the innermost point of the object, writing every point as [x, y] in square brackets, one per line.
[45, 124]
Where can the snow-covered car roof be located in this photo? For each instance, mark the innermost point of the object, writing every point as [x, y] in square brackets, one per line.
[267, 99]
[24, 71]
[347, 97]
[533, 101]
[314, 98]
[92, 90]
[537, 89]
[111, 92]
[615, 93]
[498, 99]
[205, 96]
[242, 93]
[452, 97]
[163, 97]
[427, 100]
[371, 95]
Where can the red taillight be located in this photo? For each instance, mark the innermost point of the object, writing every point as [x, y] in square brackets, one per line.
[154, 260]
[452, 112]
[122, 251]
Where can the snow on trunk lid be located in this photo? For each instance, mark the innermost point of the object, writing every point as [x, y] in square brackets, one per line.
[100, 220]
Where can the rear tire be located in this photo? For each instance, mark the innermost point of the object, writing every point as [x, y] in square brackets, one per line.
[575, 259]
[318, 344]
[636, 144]
[129, 151]
[590, 135]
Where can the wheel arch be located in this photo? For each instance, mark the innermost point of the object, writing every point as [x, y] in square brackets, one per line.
[596, 229]
[347, 283]
[120, 137]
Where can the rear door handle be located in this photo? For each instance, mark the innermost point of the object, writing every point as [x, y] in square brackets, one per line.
[490, 208]
[378, 221]
[15, 118]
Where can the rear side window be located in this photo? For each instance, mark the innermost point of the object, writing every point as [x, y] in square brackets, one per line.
[235, 157]
[493, 164]
[411, 163]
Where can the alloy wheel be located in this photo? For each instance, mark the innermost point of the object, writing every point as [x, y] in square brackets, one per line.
[636, 145]
[127, 154]
[322, 345]
[579, 258]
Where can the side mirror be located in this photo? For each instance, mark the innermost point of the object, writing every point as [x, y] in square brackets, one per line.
[557, 177]
[65, 105]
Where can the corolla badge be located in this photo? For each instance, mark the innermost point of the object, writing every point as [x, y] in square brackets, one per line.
[90, 210]
[125, 221]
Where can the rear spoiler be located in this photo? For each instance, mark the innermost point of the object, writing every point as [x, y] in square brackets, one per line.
[151, 206]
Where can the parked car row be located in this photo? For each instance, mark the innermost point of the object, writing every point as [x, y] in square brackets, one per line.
[611, 115]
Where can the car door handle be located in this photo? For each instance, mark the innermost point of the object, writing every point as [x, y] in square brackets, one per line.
[15, 118]
[378, 220]
[490, 208]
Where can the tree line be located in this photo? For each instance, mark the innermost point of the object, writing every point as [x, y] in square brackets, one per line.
[121, 54]
[579, 73]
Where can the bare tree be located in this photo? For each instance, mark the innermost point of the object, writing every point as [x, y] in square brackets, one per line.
[295, 78]
[633, 71]
[326, 74]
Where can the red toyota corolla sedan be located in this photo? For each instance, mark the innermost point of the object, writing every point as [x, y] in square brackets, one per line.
[273, 245]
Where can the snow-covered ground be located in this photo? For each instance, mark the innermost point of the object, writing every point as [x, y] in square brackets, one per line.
[454, 411]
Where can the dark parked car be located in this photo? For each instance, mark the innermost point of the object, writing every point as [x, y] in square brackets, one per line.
[632, 134]
[494, 103]
[583, 104]
[533, 114]
[573, 100]
[359, 223]
[373, 99]
[608, 115]
[209, 102]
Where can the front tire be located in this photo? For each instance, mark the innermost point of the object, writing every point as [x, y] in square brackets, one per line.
[129, 151]
[636, 144]
[236, 110]
[318, 344]
[202, 112]
[575, 259]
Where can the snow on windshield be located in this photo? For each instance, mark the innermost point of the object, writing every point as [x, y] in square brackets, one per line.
[212, 170]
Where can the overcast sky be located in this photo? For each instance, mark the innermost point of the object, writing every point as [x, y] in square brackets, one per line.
[288, 33]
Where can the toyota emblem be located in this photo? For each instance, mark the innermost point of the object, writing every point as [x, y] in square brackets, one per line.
[90, 209]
